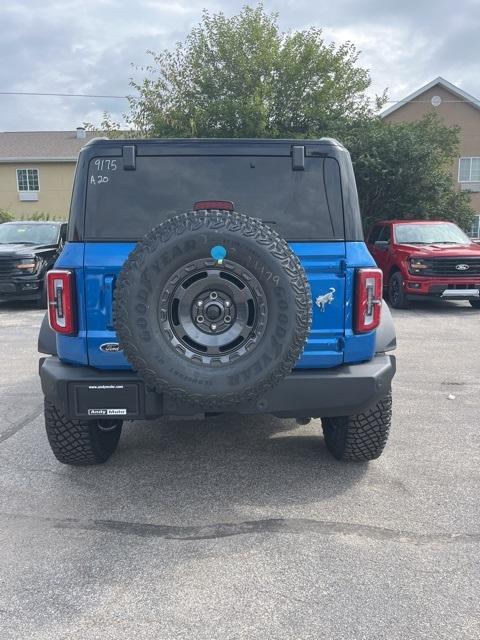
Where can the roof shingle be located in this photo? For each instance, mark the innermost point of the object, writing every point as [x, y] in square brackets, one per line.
[62, 146]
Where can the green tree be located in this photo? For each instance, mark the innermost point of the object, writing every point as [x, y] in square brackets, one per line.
[243, 77]
[403, 170]
[6, 216]
[39, 216]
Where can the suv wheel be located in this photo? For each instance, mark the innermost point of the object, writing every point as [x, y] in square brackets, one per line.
[475, 304]
[361, 437]
[396, 294]
[80, 442]
[212, 308]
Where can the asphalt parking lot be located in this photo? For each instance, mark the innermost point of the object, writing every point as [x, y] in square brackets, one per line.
[246, 528]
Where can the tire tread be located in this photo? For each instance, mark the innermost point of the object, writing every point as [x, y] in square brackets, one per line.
[360, 437]
[249, 227]
[77, 442]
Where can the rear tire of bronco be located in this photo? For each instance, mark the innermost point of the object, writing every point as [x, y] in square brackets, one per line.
[475, 304]
[396, 295]
[80, 442]
[360, 437]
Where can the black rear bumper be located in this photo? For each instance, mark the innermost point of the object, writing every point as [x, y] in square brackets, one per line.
[86, 393]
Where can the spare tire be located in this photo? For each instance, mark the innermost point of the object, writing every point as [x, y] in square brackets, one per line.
[212, 308]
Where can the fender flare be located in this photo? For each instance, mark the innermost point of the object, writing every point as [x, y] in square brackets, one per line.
[47, 338]
[386, 337]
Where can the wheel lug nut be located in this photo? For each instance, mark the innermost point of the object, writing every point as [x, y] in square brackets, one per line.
[227, 303]
[214, 295]
[227, 319]
[199, 303]
[200, 318]
[213, 327]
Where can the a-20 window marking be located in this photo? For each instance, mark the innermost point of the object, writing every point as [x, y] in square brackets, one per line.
[103, 165]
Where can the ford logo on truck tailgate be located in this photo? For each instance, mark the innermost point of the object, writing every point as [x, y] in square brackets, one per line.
[110, 347]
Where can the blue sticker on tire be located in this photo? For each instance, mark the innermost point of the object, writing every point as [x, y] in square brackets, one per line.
[218, 253]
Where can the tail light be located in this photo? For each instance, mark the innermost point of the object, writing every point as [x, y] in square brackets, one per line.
[368, 299]
[61, 301]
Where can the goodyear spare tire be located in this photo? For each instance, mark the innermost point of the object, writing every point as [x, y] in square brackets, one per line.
[212, 308]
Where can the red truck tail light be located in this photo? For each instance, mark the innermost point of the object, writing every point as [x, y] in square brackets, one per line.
[368, 299]
[61, 301]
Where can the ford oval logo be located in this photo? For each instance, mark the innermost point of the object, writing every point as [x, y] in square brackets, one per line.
[462, 267]
[110, 347]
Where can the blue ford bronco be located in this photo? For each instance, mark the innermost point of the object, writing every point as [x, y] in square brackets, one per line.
[207, 276]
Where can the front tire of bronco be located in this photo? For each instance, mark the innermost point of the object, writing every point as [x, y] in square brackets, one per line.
[80, 442]
[396, 294]
[360, 437]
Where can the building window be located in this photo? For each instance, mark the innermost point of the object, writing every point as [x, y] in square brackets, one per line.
[469, 170]
[476, 227]
[27, 179]
[28, 185]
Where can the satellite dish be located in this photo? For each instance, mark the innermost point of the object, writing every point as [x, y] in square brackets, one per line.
[436, 101]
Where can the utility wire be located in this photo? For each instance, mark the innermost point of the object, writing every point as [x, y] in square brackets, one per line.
[61, 95]
[92, 95]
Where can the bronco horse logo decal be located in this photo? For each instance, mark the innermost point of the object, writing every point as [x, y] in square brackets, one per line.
[327, 298]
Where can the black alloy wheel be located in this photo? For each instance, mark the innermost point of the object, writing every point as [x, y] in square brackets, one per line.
[396, 294]
[212, 314]
[212, 308]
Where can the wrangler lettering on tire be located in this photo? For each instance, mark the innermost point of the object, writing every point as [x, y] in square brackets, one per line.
[188, 322]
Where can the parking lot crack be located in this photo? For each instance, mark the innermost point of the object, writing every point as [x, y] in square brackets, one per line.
[265, 526]
[17, 426]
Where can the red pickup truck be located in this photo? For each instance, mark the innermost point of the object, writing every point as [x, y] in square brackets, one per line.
[426, 259]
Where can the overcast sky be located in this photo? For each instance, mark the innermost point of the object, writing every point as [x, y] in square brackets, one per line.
[73, 46]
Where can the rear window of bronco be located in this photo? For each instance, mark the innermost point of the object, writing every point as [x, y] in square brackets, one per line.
[300, 205]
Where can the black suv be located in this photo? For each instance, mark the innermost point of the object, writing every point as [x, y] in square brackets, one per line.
[211, 276]
[27, 251]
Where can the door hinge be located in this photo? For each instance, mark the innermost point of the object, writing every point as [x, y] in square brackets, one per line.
[108, 285]
[298, 158]
[129, 157]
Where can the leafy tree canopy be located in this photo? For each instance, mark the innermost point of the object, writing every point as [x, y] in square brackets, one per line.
[240, 76]
[403, 170]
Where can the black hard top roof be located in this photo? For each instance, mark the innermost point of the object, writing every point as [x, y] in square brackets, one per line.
[230, 141]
